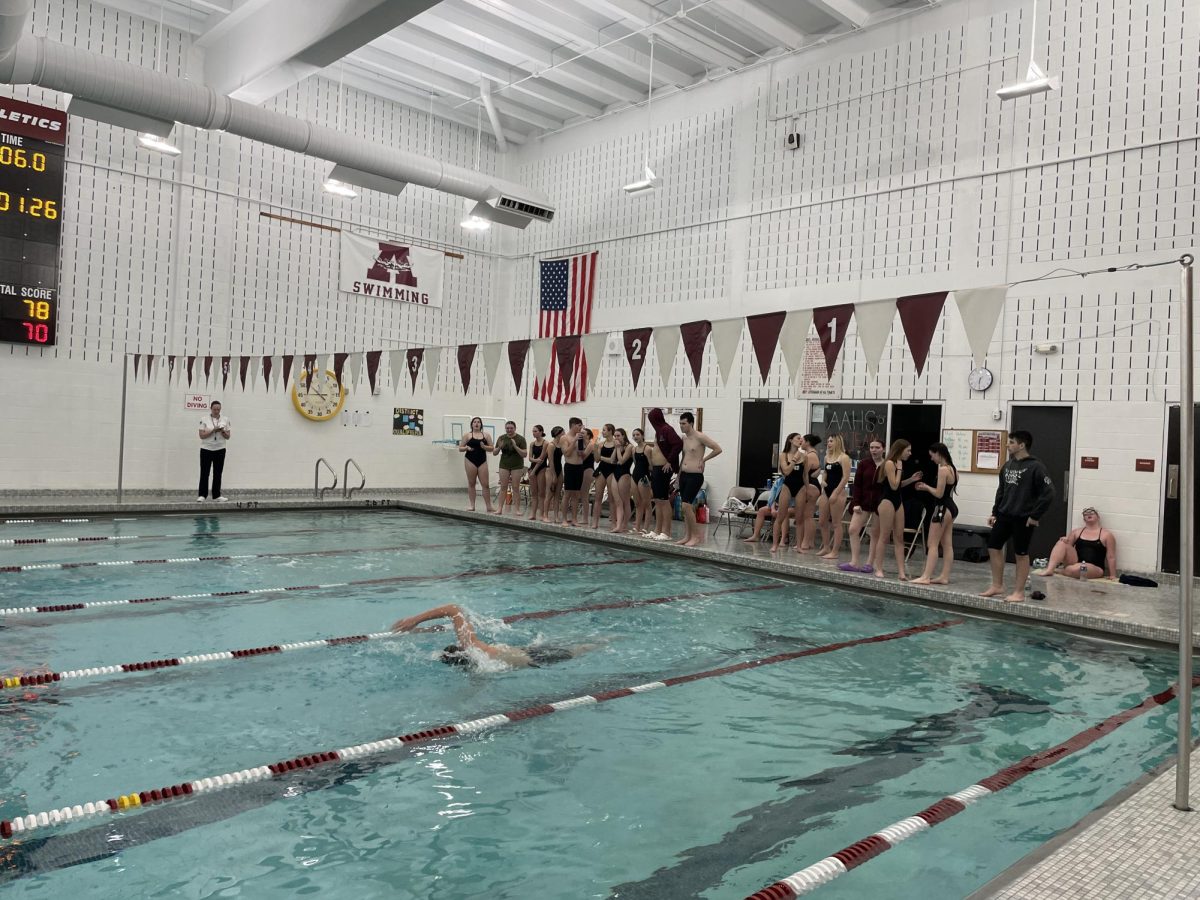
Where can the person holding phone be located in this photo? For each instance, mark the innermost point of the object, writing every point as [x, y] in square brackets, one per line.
[214, 433]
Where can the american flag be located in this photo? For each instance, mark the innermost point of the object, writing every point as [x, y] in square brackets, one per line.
[567, 288]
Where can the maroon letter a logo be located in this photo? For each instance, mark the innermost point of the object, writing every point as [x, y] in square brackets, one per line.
[392, 265]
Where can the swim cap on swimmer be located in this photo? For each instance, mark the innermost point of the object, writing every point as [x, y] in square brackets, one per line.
[454, 655]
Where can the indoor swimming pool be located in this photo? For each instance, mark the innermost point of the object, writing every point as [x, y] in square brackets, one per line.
[710, 787]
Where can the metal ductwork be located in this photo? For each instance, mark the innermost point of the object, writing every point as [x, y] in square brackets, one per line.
[135, 94]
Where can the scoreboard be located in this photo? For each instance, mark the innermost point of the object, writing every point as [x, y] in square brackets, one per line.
[32, 150]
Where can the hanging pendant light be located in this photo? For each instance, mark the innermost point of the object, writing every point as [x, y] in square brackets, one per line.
[160, 143]
[649, 181]
[1036, 81]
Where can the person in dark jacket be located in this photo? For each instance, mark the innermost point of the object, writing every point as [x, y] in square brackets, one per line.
[1024, 494]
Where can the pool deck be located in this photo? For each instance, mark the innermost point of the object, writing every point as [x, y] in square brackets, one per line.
[1136, 846]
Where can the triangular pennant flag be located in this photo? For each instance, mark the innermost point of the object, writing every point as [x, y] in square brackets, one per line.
[874, 323]
[355, 362]
[832, 322]
[413, 359]
[277, 373]
[150, 367]
[920, 314]
[287, 372]
[517, 353]
[593, 355]
[226, 365]
[171, 371]
[543, 352]
[666, 343]
[491, 362]
[695, 337]
[566, 348]
[980, 309]
[433, 362]
[793, 338]
[191, 365]
[243, 367]
[637, 342]
[137, 361]
[268, 365]
[373, 357]
[726, 336]
[339, 368]
[397, 363]
[208, 361]
[466, 358]
[764, 337]
[310, 366]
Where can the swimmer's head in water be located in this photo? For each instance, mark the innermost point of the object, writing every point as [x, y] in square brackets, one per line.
[454, 655]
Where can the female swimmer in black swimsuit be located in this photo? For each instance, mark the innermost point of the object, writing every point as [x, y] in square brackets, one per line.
[621, 483]
[605, 451]
[832, 502]
[477, 445]
[641, 482]
[891, 507]
[539, 452]
[806, 501]
[553, 479]
[1090, 551]
[791, 464]
[941, 522]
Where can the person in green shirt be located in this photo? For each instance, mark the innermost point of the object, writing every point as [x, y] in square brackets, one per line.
[512, 450]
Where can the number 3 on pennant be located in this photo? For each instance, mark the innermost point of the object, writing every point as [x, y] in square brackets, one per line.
[637, 348]
[412, 364]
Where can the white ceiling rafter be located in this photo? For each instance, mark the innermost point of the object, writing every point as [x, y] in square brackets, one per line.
[768, 24]
[675, 30]
[850, 12]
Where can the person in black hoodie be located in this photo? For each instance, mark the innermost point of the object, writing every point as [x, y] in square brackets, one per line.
[1022, 498]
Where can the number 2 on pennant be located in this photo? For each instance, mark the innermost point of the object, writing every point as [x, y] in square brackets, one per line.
[637, 348]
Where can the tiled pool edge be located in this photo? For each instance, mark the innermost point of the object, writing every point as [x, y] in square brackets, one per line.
[944, 598]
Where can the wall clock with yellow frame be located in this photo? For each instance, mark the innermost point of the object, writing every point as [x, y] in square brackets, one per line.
[321, 400]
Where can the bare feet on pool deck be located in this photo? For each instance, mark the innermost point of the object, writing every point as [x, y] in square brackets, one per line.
[902, 576]
[940, 581]
[1015, 598]
[694, 542]
[921, 580]
[879, 573]
[833, 556]
[993, 591]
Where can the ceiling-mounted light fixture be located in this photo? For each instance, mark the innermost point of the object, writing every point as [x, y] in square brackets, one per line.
[159, 142]
[650, 182]
[332, 185]
[1036, 81]
[475, 222]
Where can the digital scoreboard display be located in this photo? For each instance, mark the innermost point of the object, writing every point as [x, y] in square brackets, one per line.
[32, 151]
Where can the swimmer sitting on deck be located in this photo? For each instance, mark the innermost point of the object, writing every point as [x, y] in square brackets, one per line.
[532, 656]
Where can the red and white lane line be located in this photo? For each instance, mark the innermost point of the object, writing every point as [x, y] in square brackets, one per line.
[390, 579]
[95, 539]
[819, 873]
[45, 521]
[18, 680]
[23, 824]
[45, 567]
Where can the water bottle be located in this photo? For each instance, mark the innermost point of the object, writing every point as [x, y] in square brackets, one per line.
[1083, 571]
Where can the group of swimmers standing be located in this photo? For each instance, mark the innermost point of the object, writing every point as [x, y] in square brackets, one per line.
[815, 495]
[570, 465]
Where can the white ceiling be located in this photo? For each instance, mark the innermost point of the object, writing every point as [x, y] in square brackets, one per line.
[548, 63]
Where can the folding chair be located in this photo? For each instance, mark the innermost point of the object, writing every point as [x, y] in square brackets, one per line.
[750, 513]
[918, 534]
[725, 514]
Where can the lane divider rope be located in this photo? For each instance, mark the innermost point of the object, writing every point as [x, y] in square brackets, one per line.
[42, 678]
[826, 870]
[389, 579]
[23, 824]
[35, 521]
[95, 539]
[44, 567]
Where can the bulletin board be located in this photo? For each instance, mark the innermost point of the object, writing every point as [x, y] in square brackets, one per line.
[980, 450]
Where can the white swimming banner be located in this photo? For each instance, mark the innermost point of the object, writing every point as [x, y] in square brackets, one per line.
[593, 352]
[726, 336]
[391, 270]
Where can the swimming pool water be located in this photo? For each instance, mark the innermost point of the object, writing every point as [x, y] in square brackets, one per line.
[711, 789]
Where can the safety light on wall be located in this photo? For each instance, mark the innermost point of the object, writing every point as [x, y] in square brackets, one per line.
[158, 144]
[1036, 81]
[650, 182]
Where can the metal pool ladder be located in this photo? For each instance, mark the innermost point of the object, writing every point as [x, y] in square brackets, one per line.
[318, 491]
[346, 489]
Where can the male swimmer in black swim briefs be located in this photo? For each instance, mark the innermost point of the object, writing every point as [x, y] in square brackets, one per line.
[532, 656]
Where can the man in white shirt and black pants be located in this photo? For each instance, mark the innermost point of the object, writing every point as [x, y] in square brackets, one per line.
[214, 432]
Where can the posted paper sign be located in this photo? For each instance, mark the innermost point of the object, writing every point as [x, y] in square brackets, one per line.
[199, 402]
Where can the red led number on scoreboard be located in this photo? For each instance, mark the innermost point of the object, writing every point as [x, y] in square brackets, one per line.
[38, 332]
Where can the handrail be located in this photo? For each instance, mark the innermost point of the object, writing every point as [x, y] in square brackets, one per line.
[318, 491]
[346, 489]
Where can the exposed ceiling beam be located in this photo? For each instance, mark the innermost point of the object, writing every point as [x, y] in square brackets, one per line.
[677, 32]
[847, 11]
[387, 66]
[763, 20]
[398, 93]
[172, 17]
[550, 17]
[472, 64]
[485, 96]
[266, 46]
[505, 42]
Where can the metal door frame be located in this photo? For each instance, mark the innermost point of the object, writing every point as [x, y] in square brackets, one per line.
[1073, 405]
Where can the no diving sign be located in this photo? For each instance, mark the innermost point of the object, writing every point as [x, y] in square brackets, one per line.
[196, 401]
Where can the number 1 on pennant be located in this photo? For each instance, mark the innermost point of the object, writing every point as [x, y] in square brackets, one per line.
[833, 331]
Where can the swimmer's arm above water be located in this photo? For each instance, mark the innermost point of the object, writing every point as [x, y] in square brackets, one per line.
[452, 611]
